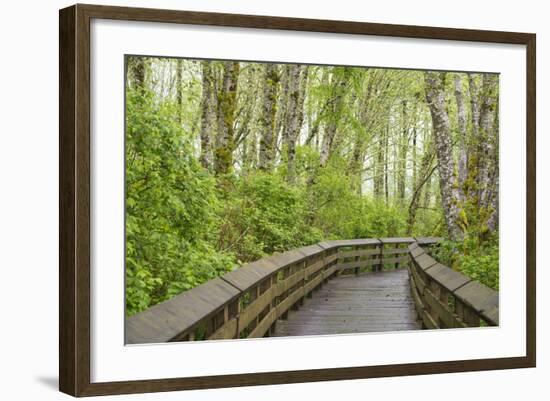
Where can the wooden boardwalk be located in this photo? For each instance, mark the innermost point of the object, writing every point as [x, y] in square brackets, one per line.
[313, 291]
[371, 302]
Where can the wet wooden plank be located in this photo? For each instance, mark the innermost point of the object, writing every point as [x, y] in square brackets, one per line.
[291, 281]
[289, 301]
[397, 240]
[358, 242]
[228, 330]
[491, 315]
[428, 321]
[361, 253]
[315, 267]
[415, 294]
[310, 285]
[428, 240]
[331, 258]
[287, 258]
[395, 251]
[448, 278]
[329, 271]
[416, 250]
[439, 310]
[253, 310]
[425, 261]
[251, 274]
[349, 242]
[358, 304]
[264, 325]
[482, 299]
[358, 263]
[310, 250]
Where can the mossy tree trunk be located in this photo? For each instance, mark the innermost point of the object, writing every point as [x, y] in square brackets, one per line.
[225, 141]
[297, 80]
[267, 117]
[421, 185]
[488, 171]
[339, 83]
[403, 151]
[208, 114]
[435, 97]
[462, 126]
[138, 69]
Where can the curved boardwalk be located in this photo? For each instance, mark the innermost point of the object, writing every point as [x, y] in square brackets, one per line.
[266, 297]
[355, 304]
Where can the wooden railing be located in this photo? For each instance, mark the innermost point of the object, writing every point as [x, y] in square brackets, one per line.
[445, 298]
[247, 302]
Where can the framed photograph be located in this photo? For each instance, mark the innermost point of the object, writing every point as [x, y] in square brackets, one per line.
[250, 200]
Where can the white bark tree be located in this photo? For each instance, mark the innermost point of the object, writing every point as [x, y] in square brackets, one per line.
[435, 97]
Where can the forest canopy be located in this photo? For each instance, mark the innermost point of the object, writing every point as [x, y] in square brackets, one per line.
[228, 161]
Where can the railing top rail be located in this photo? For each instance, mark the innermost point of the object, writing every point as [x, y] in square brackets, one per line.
[310, 250]
[163, 322]
[257, 271]
[428, 240]
[397, 240]
[482, 299]
[349, 242]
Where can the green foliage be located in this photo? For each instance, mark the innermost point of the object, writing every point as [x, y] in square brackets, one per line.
[476, 260]
[340, 212]
[171, 208]
[262, 215]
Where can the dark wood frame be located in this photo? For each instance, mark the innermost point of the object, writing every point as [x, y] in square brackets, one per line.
[74, 199]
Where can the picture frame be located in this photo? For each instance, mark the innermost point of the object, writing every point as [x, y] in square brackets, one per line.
[76, 336]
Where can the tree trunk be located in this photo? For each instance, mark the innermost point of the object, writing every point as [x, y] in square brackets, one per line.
[138, 67]
[361, 136]
[435, 97]
[267, 118]
[426, 171]
[402, 154]
[282, 107]
[315, 116]
[488, 174]
[473, 143]
[225, 144]
[335, 108]
[386, 161]
[179, 89]
[487, 135]
[250, 152]
[414, 151]
[378, 169]
[297, 86]
[208, 114]
[462, 135]
[427, 193]
[483, 179]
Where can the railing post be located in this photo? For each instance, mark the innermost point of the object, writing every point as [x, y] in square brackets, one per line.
[397, 246]
[286, 274]
[357, 248]
[380, 257]
[272, 304]
[302, 282]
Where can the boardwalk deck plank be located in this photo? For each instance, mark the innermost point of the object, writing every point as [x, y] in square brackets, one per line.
[355, 304]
